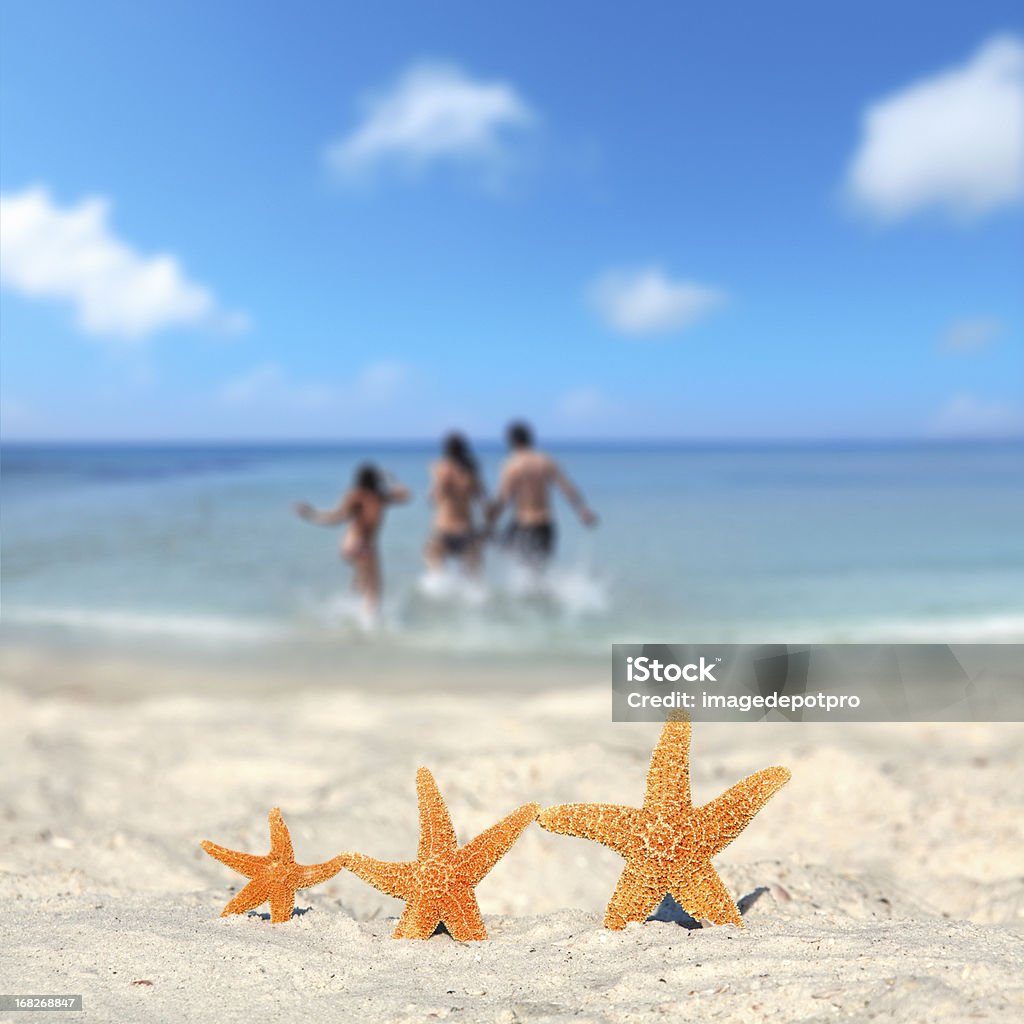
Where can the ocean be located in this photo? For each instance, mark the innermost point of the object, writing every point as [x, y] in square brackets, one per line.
[194, 549]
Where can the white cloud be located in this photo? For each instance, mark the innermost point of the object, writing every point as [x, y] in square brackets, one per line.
[433, 113]
[268, 385]
[647, 302]
[271, 387]
[70, 254]
[585, 405]
[971, 335]
[966, 415]
[383, 381]
[954, 141]
[16, 416]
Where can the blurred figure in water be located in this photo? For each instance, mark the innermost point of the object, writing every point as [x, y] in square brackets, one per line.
[526, 481]
[455, 489]
[362, 507]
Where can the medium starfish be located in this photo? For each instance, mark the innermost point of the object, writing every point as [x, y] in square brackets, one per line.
[668, 843]
[275, 877]
[438, 885]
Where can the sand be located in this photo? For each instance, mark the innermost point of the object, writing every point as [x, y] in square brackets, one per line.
[885, 882]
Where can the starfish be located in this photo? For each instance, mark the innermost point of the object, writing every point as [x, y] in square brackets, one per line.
[438, 885]
[668, 843]
[275, 877]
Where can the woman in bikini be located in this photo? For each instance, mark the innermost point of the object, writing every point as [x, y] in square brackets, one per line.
[362, 507]
[455, 487]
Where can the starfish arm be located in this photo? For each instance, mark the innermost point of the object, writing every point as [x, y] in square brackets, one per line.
[419, 920]
[462, 917]
[725, 817]
[244, 863]
[610, 824]
[702, 894]
[280, 838]
[312, 874]
[668, 778]
[479, 855]
[635, 897]
[282, 903]
[437, 834]
[391, 878]
[248, 898]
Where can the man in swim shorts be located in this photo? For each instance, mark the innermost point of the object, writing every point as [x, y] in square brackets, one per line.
[526, 481]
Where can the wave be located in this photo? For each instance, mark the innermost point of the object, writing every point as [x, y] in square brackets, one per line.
[564, 613]
[980, 629]
[118, 622]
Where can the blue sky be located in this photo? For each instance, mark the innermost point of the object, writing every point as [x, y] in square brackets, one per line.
[666, 220]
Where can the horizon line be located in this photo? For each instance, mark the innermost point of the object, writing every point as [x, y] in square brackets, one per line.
[498, 441]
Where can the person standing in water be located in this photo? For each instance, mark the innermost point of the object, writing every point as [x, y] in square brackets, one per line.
[455, 488]
[362, 507]
[526, 481]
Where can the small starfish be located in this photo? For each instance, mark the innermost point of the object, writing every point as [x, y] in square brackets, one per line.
[275, 877]
[438, 885]
[668, 843]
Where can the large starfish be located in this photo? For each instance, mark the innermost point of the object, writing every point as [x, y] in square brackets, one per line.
[668, 843]
[275, 877]
[438, 885]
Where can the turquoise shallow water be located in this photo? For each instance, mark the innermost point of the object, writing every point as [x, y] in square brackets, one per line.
[195, 548]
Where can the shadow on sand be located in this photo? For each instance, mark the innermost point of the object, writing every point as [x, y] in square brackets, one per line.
[671, 913]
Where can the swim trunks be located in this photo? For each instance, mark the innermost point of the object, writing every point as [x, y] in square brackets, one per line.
[456, 544]
[534, 543]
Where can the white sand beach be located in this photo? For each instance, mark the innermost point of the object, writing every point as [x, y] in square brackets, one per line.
[885, 882]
